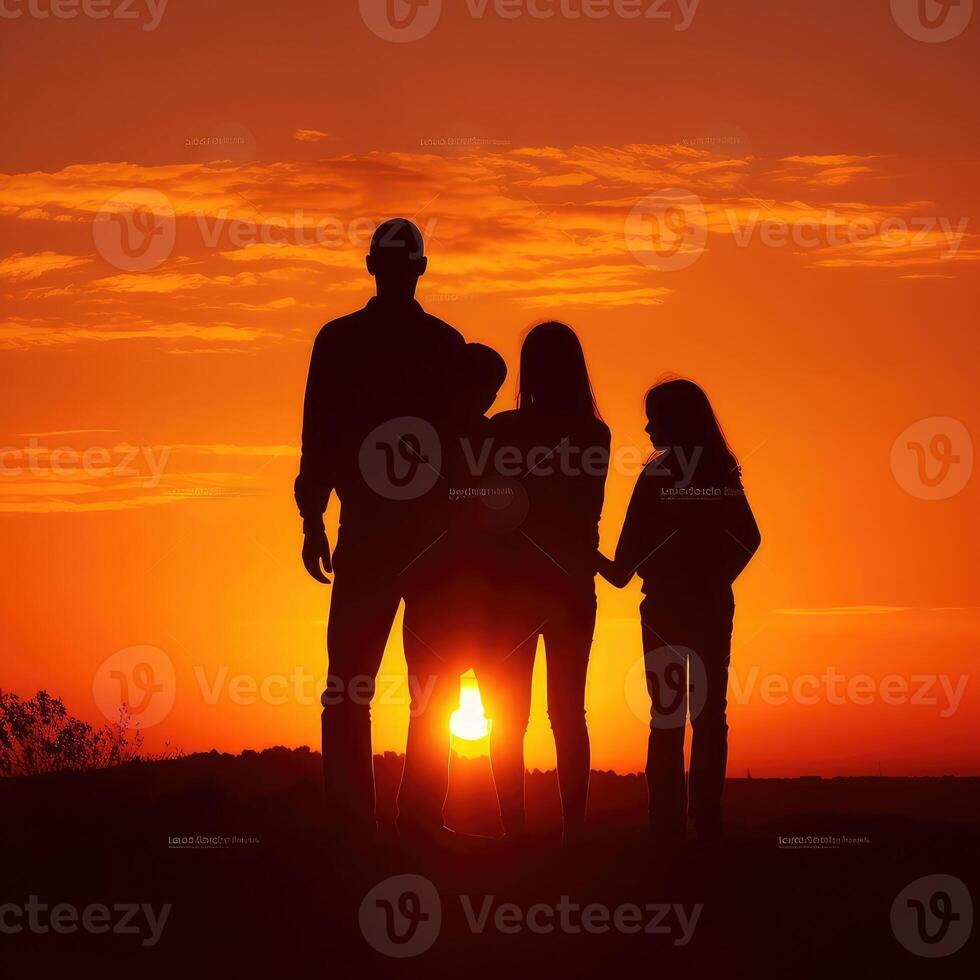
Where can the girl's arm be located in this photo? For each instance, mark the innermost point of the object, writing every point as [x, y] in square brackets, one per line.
[742, 540]
[634, 539]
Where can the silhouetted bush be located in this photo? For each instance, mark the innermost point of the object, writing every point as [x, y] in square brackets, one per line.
[39, 736]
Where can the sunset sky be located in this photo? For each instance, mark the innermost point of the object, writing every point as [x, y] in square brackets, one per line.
[821, 285]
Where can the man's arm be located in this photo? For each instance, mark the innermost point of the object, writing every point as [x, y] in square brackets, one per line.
[316, 481]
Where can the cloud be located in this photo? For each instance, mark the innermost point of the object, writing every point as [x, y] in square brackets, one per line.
[831, 170]
[311, 136]
[20, 267]
[24, 335]
[843, 611]
[258, 243]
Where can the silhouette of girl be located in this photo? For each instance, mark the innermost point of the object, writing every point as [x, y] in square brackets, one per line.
[547, 572]
[689, 532]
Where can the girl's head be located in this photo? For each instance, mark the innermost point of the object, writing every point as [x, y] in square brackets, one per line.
[680, 420]
[553, 374]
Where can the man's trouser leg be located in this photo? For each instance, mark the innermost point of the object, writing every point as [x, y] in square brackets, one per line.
[362, 610]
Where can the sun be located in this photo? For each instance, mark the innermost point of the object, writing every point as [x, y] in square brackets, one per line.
[469, 722]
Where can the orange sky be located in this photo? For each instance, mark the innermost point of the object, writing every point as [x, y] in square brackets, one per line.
[270, 143]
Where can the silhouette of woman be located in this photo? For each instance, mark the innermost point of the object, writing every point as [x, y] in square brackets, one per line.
[547, 575]
[689, 533]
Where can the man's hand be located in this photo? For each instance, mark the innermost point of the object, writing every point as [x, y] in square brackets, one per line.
[316, 552]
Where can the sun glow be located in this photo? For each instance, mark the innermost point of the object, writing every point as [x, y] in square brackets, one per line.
[469, 722]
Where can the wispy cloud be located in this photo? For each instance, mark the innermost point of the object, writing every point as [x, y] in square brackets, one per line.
[266, 249]
[311, 136]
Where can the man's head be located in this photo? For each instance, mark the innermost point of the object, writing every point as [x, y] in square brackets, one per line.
[397, 258]
[483, 372]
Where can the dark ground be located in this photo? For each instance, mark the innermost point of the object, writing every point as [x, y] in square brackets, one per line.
[292, 898]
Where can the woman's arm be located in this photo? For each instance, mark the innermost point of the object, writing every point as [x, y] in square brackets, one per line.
[613, 573]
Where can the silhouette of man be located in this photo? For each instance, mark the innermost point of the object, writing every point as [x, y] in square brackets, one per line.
[378, 398]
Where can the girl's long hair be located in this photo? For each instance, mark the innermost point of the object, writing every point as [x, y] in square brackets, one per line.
[685, 416]
[554, 377]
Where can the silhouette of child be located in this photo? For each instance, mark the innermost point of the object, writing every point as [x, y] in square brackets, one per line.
[689, 532]
[446, 613]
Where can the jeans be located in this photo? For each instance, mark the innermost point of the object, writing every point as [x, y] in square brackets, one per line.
[565, 619]
[687, 653]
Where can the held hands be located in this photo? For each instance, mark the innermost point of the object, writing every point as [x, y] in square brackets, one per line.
[316, 553]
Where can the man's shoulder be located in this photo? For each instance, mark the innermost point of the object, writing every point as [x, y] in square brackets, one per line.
[340, 328]
[357, 326]
[443, 329]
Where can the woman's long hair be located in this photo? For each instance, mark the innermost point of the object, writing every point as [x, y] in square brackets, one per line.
[684, 416]
[554, 377]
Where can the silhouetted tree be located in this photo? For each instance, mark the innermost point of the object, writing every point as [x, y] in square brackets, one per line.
[39, 735]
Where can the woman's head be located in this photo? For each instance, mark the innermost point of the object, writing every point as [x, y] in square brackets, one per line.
[680, 420]
[553, 376]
